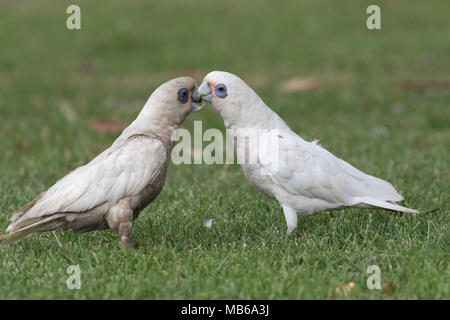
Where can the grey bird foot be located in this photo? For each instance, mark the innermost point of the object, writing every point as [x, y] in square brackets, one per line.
[288, 232]
[128, 244]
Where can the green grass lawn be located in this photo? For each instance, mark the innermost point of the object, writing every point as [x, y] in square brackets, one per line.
[382, 103]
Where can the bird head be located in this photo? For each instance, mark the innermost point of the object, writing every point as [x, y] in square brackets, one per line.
[228, 94]
[179, 95]
[175, 99]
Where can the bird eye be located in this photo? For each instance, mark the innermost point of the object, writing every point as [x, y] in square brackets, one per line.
[183, 95]
[221, 90]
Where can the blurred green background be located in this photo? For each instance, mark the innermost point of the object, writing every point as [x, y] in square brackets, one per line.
[377, 98]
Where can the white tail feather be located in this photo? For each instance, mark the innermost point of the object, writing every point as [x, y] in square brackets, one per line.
[24, 232]
[385, 205]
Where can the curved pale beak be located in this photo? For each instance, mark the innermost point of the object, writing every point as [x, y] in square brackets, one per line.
[205, 92]
[197, 100]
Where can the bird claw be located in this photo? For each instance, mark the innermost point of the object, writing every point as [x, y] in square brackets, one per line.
[287, 231]
[128, 245]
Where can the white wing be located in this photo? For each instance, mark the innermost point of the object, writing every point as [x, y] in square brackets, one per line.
[122, 170]
[307, 169]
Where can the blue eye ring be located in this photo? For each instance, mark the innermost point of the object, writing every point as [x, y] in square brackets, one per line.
[221, 90]
[183, 95]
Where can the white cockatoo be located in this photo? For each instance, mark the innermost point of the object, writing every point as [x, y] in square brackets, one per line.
[303, 177]
[112, 189]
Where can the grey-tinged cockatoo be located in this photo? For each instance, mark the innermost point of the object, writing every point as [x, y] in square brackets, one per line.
[306, 179]
[112, 189]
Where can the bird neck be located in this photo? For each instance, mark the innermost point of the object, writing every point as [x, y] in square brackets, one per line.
[153, 121]
[254, 114]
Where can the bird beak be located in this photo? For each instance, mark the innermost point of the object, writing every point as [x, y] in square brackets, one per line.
[197, 100]
[205, 92]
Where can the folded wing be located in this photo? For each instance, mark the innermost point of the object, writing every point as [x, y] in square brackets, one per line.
[307, 169]
[120, 171]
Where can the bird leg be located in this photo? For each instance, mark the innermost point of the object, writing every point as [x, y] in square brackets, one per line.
[125, 232]
[120, 218]
[291, 219]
